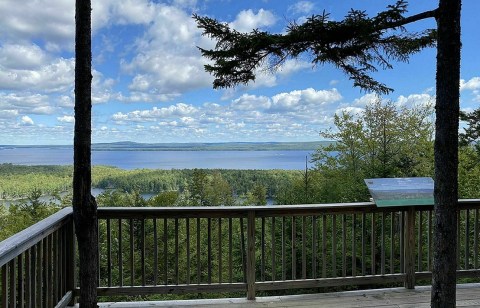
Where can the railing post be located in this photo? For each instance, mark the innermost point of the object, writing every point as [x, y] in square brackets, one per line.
[410, 249]
[251, 255]
[70, 261]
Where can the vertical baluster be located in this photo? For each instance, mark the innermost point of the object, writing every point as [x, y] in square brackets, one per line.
[21, 281]
[458, 238]
[230, 250]
[344, 245]
[382, 236]
[49, 272]
[420, 241]
[35, 272]
[120, 254]
[373, 245]
[409, 282]
[198, 251]
[45, 287]
[354, 245]
[109, 254]
[155, 252]
[99, 259]
[262, 247]
[251, 255]
[475, 241]
[274, 265]
[219, 250]
[284, 262]
[165, 251]
[28, 279]
[304, 248]
[324, 245]
[364, 245]
[12, 287]
[392, 241]
[334, 245]
[467, 240]
[187, 228]
[4, 286]
[429, 243]
[132, 256]
[37, 290]
[61, 272]
[244, 250]
[176, 252]
[209, 250]
[56, 268]
[294, 251]
[402, 242]
[314, 247]
[142, 252]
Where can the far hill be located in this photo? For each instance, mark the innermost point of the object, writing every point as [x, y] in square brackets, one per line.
[221, 146]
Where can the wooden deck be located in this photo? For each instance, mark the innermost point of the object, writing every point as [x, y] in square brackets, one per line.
[468, 295]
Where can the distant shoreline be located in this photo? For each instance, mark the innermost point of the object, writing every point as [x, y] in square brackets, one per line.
[224, 146]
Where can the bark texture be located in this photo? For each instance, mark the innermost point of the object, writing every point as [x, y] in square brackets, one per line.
[84, 205]
[446, 154]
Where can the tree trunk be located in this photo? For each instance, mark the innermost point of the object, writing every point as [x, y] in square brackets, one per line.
[446, 154]
[84, 205]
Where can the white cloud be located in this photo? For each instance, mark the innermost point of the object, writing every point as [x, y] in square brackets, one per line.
[22, 57]
[472, 84]
[55, 76]
[302, 7]
[178, 110]
[365, 100]
[304, 99]
[247, 20]
[251, 102]
[50, 21]
[291, 66]
[167, 61]
[415, 100]
[26, 120]
[26, 103]
[66, 119]
[8, 113]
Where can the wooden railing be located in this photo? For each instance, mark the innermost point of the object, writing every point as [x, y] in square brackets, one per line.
[253, 249]
[147, 251]
[37, 264]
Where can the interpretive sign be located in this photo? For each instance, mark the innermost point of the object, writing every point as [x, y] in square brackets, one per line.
[401, 191]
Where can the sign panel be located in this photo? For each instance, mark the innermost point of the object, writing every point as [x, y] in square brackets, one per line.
[401, 191]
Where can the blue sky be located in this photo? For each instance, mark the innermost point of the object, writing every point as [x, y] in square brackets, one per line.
[149, 84]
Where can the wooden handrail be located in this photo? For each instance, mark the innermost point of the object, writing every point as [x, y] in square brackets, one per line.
[262, 211]
[20, 242]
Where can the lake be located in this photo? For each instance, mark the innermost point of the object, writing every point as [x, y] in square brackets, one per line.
[288, 160]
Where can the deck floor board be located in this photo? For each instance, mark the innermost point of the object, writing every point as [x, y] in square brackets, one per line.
[468, 295]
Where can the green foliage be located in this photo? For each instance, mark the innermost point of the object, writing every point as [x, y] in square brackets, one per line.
[19, 181]
[358, 45]
[165, 198]
[383, 141]
[471, 134]
[257, 196]
[468, 173]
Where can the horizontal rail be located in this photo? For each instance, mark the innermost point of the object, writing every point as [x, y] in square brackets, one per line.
[20, 242]
[263, 211]
[329, 282]
[172, 289]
